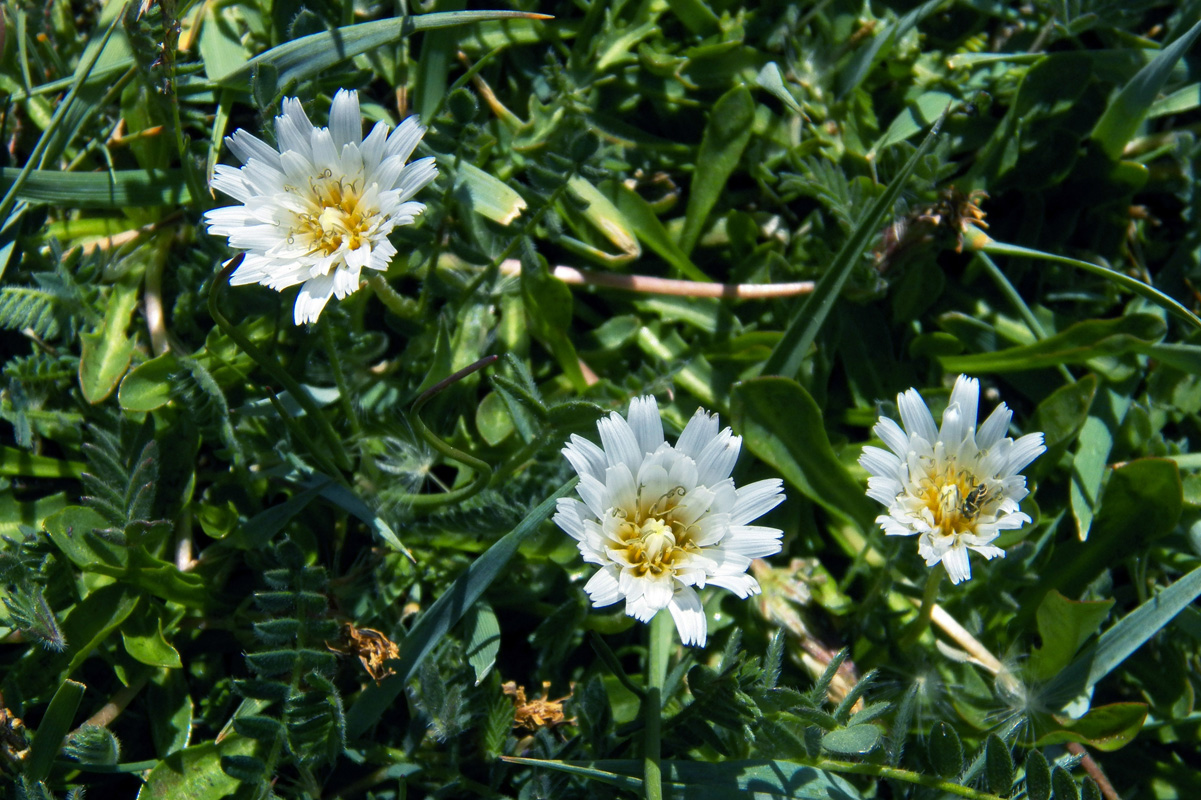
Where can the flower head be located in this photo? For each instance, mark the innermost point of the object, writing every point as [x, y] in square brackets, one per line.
[319, 210]
[955, 486]
[661, 519]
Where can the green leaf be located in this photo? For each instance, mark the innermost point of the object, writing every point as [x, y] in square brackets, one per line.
[1063, 626]
[796, 445]
[310, 56]
[448, 609]
[1126, 112]
[490, 196]
[650, 230]
[726, 136]
[923, 112]
[115, 189]
[21, 462]
[857, 740]
[105, 353]
[1065, 788]
[71, 532]
[771, 79]
[860, 64]
[171, 727]
[142, 634]
[548, 304]
[1142, 502]
[147, 386]
[483, 639]
[945, 750]
[1105, 728]
[195, 773]
[58, 719]
[803, 328]
[700, 780]
[1062, 414]
[1122, 639]
[1077, 344]
[998, 766]
[1038, 776]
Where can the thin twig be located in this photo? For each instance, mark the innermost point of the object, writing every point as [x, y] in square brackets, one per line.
[113, 708]
[1094, 771]
[646, 284]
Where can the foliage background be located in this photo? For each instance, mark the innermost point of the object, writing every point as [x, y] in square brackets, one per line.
[179, 555]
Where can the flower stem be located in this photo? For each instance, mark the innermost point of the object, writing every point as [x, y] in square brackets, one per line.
[331, 352]
[273, 367]
[896, 773]
[659, 635]
[929, 597]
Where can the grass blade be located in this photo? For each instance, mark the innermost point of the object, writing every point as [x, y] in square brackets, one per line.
[802, 330]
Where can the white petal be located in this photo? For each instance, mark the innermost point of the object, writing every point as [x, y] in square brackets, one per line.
[880, 462]
[314, 294]
[994, 427]
[618, 442]
[405, 138]
[753, 541]
[740, 584]
[567, 517]
[345, 121]
[966, 395]
[756, 499]
[699, 431]
[956, 562]
[893, 437]
[593, 493]
[1025, 450]
[602, 588]
[585, 457]
[916, 416]
[689, 616]
[717, 459]
[645, 422]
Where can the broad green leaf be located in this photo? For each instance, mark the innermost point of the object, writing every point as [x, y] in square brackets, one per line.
[602, 215]
[56, 722]
[493, 419]
[944, 750]
[71, 532]
[490, 196]
[1105, 728]
[796, 445]
[700, 780]
[1062, 414]
[220, 45]
[922, 113]
[860, 63]
[310, 56]
[1126, 112]
[171, 728]
[262, 527]
[448, 609]
[1038, 776]
[105, 353]
[650, 230]
[726, 136]
[1141, 503]
[143, 637]
[548, 305]
[857, 740]
[148, 385]
[998, 766]
[195, 773]
[163, 579]
[483, 639]
[29, 513]
[1063, 626]
[1177, 102]
[90, 623]
[771, 79]
[802, 329]
[1122, 639]
[14, 461]
[1077, 344]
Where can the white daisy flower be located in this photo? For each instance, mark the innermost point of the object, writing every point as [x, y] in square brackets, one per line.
[319, 210]
[661, 519]
[955, 486]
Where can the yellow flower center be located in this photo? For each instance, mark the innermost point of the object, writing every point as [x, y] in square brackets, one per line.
[342, 220]
[653, 540]
[955, 500]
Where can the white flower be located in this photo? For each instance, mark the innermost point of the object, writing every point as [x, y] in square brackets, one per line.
[660, 519]
[321, 208]
[955, 486]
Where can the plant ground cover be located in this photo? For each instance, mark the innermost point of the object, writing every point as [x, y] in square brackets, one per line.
[245, 557]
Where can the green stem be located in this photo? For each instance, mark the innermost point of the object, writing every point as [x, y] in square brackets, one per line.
[1017, 302]
[895, 773]
[394, 301]
[659, 636]
[929, 598]
[273, 367]
[335, 363]
[483, 472]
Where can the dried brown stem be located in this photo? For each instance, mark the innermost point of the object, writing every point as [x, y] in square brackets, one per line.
[646, 284]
